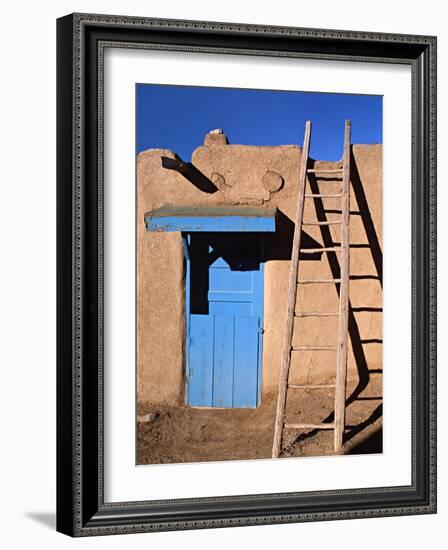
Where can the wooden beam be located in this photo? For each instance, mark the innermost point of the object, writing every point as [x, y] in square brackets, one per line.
[318, 314]
[324, 171]
[318, 281]
[341, 369]
[309, 426]
[311, 386]
[328, 222]
[323, 249]
[323, 195]
[315, 347]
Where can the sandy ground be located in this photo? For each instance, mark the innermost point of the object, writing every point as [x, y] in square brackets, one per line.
[184, 434]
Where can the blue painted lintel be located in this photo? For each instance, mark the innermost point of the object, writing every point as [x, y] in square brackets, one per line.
[211, 219]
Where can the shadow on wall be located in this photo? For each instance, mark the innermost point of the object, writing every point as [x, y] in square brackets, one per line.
[354, 332]
[191, 173]
[279, 244]
[355, 430]
[372, 444]
[239, 254]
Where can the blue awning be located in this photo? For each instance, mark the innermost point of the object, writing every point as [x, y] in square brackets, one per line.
[211, 218]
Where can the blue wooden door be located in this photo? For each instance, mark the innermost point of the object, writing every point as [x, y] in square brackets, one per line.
[225, 314]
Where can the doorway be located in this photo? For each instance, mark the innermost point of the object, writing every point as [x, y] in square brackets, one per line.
[224, 313]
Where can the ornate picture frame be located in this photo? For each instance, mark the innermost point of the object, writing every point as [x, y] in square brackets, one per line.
[81, 506]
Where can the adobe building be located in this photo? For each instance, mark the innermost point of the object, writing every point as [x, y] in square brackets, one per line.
[214, 242]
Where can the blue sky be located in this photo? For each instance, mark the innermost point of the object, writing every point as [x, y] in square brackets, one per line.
[178, 117]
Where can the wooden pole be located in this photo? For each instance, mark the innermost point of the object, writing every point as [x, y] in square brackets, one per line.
[341, 370]
[292, 293]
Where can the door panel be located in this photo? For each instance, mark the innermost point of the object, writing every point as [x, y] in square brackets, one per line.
[223, 361]
[245, 368]
[222, 279]
[200, 387]
[230, 308]
[224, 276]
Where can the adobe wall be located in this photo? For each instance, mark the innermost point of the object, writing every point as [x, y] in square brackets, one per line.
[248, 175]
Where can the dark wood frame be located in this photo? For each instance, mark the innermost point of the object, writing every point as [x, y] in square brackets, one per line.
[81, 510]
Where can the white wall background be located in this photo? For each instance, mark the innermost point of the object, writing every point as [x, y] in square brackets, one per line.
[27, 274]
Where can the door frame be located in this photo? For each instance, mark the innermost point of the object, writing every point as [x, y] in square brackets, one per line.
[186, 241]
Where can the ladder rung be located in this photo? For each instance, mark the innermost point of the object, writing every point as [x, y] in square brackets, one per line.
[324, 171]
[309, 426]
[314, 348]
[318, 314]
[323, 249]
[307, 281]
[329, 222]
[311, 386]
[323, 195]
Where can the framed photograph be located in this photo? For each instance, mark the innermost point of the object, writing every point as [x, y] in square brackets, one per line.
[246, 274]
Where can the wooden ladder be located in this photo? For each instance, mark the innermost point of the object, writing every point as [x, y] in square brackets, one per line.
[341, 349]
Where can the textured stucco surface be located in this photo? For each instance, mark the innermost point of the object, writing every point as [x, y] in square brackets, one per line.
[244, 175]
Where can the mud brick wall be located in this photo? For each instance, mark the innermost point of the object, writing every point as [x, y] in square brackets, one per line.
[261, 176]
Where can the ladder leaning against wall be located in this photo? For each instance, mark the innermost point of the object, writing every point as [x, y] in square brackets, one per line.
[340, 349]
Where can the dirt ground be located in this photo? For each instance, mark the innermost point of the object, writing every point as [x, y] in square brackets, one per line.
[184, 434]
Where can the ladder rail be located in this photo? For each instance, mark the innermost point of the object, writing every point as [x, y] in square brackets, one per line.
[341, 365]
[292, 293]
